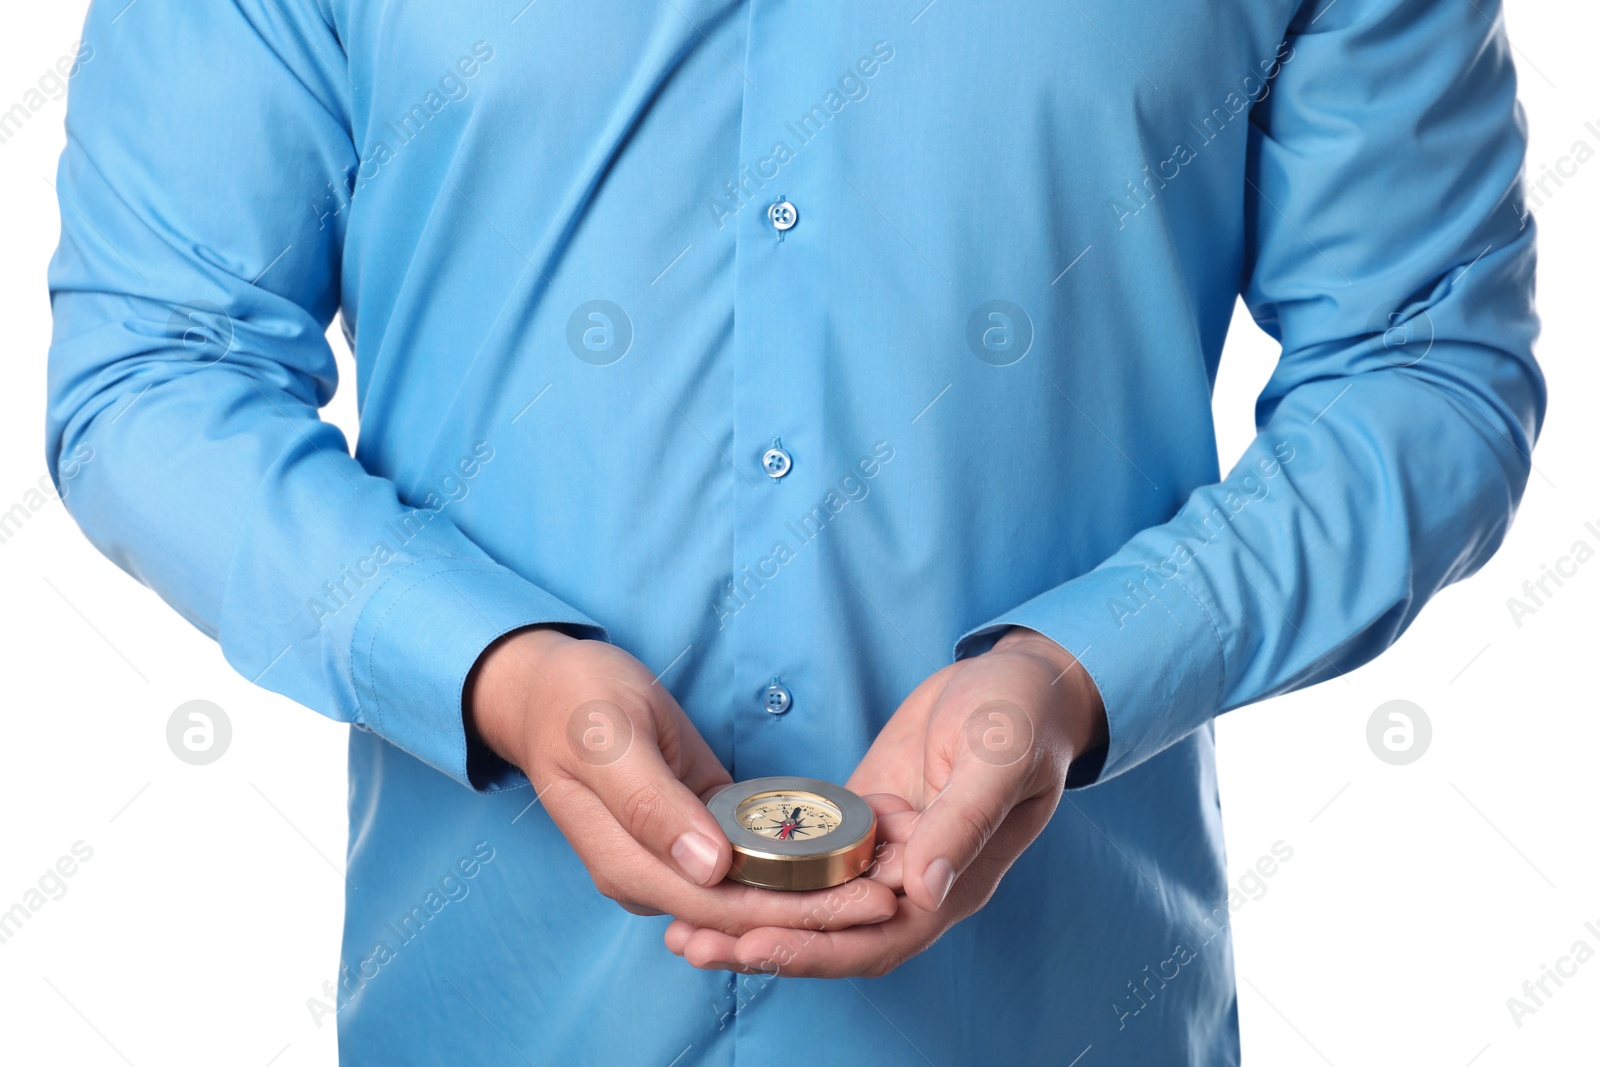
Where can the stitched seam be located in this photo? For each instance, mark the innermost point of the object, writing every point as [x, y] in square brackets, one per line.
[1216, 635]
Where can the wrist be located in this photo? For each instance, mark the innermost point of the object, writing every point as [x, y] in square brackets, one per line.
[503, 684]
[1084, 711]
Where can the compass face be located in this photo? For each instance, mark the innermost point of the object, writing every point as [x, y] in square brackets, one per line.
[794, 833]
[789, 816]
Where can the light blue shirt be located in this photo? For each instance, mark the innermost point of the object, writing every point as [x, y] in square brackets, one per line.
[984, 344]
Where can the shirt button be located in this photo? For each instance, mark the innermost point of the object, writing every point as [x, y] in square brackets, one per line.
[783, 216]
[775, 698]
[776, 462]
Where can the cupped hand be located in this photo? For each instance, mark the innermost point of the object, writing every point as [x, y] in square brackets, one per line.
[625, 776]
[964, 776]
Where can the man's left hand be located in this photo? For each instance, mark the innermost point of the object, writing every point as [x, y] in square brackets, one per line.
[964, 777]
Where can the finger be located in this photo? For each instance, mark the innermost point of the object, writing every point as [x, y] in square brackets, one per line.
[637, 909]
[625, 872]
[888, 868]
[677, 936]
[706, 795]
[858, 951]
[617, 754]
[711, 950]
[887, 857]
[736, 909]
[886, 804]
[891, 762]
[954, 828]
[875, 950]
[898, 826]
[690, 757]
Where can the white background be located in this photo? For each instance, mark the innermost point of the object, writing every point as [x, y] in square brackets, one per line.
[1418, 898]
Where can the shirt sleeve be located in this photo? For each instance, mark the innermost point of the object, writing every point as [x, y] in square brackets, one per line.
[1388, 254]
[202, 195]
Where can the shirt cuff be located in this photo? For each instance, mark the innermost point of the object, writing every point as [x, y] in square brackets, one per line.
[419, 636]
[1151, 648]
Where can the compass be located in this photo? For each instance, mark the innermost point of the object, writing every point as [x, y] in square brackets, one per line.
[795, 833]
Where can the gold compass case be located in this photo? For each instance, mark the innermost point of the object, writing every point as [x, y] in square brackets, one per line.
[795, 833]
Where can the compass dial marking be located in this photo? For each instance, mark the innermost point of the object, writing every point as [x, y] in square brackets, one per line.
[789, 816]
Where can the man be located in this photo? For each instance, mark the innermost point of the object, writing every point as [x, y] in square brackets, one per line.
[764, 388]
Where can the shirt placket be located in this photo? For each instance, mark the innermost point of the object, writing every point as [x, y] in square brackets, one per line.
[781, 220]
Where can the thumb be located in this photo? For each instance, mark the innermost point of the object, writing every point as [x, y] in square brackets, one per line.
[619, 759]
[988, 765]
[953, 830]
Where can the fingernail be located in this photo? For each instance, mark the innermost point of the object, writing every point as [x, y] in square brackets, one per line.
[695, 856]
[938, 879]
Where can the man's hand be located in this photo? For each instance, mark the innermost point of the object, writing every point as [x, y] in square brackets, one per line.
[964, 776]
[624, 775]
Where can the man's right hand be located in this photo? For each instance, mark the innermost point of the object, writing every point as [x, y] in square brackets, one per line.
[625, 776]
